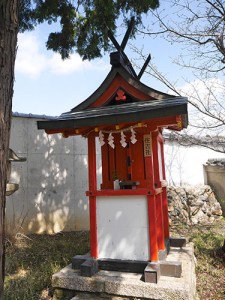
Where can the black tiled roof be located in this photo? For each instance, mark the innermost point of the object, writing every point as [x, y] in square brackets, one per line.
[109, 115]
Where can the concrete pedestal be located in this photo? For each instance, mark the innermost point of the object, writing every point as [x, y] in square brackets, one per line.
[121, 285]
[214, 175]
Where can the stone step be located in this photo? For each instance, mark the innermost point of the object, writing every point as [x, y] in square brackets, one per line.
[91, 296]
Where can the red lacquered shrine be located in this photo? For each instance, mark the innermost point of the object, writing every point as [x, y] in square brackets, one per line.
[128, 210]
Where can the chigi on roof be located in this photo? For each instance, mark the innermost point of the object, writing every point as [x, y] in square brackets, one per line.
[122, 87]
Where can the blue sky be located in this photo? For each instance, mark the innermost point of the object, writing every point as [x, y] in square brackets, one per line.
[44, 84]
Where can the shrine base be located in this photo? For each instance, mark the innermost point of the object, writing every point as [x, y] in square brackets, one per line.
[116, 285]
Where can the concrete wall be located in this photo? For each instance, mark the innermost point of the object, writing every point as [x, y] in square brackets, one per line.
[53, 180]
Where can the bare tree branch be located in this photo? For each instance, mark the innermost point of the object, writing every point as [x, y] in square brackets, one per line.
[200, 25]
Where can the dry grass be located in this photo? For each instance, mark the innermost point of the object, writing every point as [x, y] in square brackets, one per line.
[210, 270]
[30, 262]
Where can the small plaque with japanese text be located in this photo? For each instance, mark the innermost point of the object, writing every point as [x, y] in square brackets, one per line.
[147, 145]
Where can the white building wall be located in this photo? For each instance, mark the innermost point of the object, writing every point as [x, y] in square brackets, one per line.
[184, 165]
[53, 180]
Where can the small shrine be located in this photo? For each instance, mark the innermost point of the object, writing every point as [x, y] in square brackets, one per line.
[129, 228]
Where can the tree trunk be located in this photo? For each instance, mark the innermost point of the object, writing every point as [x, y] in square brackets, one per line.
[8, 43]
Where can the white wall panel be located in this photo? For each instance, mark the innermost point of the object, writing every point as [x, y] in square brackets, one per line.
[122, 227]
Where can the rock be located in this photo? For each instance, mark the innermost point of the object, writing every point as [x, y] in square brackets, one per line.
[170, 208]
[217, 212]
[199, 202]
[193, 205]
[211, 219]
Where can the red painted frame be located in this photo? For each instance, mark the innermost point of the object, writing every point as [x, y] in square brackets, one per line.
[92, 199]
[157, 183]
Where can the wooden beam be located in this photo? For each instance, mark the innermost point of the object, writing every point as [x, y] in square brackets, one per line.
[114, 41]
[152, 228]
[144, 67]
[92, 199]
[128, 32]
[164, 194]
[157, 182]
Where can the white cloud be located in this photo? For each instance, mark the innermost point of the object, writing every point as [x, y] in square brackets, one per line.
[208, 109]
[32, 61]
[203, 89]
[67, 66]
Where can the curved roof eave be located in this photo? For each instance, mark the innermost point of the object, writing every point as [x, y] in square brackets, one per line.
[130, 79]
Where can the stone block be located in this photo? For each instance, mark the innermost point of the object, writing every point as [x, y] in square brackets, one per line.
[178, 242]
[152, 272]
[171, 268]
[78, 260]
[89, 268]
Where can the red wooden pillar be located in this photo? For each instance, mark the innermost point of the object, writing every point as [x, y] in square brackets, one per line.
[164, 197]
[92, 199]
[157, 183]
[152, 228]
[151, 202]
